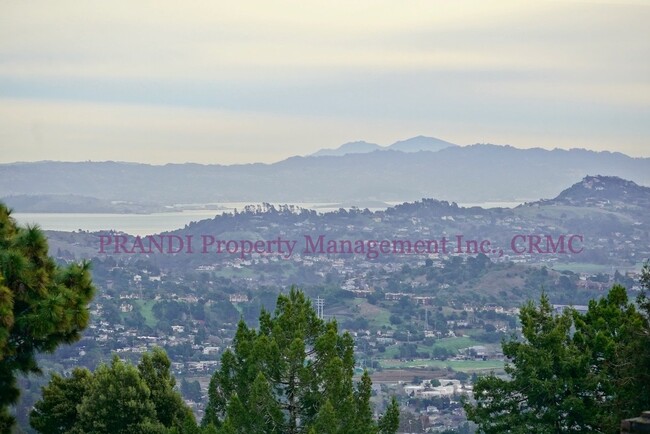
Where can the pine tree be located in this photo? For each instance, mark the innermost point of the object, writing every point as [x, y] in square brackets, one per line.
[614, 337]
[154, 369]
[42, 305]
[326, 421]
[389, 422]
[571, 372]
[118, 402]
[117, 398]
[57, 411]
[293, 375]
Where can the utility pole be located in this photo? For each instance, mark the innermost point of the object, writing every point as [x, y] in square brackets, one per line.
[426, 319]
[320, 307]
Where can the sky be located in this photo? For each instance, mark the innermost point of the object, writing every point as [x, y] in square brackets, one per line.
[258, 81]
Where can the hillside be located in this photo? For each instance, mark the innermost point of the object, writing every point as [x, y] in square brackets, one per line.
[599, 191]
[477, 173]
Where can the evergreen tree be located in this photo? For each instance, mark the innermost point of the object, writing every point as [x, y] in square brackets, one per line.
[191, 390]
[117, 398]
[57, 411]
[572, 372]
[118, 401]
[326, 420]
[389, 422]
[42, 305]
[154, 369]
[293, 375]
[614, 337]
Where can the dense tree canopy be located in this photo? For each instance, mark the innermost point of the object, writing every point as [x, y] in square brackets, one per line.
[572, 372]
[42, 305]
[293, 375]
[116, 398]
[57, 411]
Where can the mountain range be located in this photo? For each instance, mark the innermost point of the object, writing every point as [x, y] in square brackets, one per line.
[475, 173]
[414, 144]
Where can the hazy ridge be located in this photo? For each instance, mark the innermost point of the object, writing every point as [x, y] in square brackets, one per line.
[473, 173]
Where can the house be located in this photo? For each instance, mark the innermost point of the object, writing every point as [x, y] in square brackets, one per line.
[238, 298]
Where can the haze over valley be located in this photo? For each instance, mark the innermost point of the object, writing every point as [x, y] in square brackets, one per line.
[470, 174]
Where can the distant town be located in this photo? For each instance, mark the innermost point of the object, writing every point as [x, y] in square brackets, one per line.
[424, 324]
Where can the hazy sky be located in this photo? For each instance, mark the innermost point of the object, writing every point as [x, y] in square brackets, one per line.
[242, 81]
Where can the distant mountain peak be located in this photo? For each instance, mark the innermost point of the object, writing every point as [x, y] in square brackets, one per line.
[356, 147]
[420, 143]
[414, 144]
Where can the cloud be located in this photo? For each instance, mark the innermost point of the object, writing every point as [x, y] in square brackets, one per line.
[259, 80]
[258, 40]
[77, 131]
[33, 130]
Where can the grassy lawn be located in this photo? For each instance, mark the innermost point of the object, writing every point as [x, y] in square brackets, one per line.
[230, 272]
[450, 344]
[377, 316]
[456, 365]
[455, 344]
[145, 307]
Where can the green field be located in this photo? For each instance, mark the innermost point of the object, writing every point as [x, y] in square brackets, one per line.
[393, 351]
[456, 365]
[145, 307]
[231, 272]
[449, 344]
[455, 344]
[376, 316]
